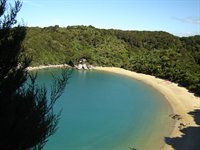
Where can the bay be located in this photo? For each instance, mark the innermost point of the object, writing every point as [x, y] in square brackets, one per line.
[106, 111]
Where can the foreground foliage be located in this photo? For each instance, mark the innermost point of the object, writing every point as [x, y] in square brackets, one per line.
[26, 112]
[156, 53]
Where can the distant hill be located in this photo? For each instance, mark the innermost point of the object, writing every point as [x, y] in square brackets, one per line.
[156, 53]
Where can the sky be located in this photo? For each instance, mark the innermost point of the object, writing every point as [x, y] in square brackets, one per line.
[179, 17]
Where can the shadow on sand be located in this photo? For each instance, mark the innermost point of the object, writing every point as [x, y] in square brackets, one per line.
[190, 140]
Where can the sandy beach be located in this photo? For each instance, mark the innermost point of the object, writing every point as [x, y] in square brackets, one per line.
[181, 101]
[47, 66]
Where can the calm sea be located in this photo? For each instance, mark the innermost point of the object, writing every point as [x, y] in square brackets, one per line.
[105, 111]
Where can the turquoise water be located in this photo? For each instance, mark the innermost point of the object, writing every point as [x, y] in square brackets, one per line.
[105, 111]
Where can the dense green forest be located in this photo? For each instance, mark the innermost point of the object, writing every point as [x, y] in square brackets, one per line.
[156, 53]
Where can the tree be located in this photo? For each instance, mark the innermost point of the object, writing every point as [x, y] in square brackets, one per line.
[26, 114]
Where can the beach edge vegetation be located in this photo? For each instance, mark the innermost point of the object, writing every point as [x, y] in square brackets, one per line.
[156, 53]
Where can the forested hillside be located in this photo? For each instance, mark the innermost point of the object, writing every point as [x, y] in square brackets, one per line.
[156, 53]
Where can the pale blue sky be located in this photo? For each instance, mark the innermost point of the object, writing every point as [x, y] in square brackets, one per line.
[179, 17]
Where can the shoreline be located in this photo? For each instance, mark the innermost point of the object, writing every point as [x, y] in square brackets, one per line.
[47, 66]
[181, 101]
